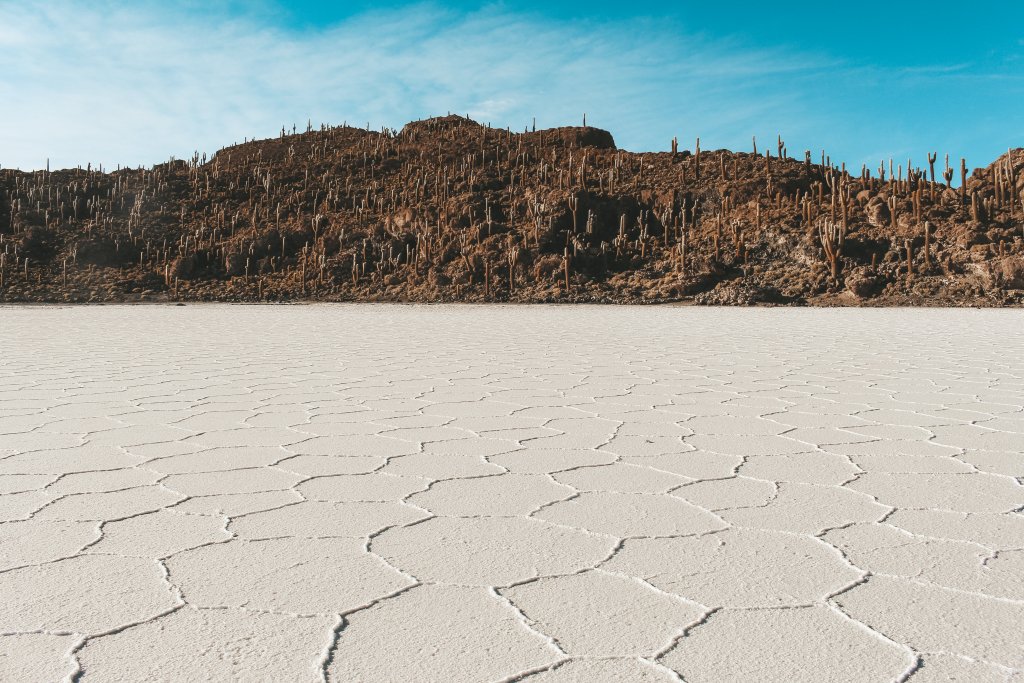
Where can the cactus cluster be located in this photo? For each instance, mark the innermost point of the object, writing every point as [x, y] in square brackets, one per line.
[448, 209]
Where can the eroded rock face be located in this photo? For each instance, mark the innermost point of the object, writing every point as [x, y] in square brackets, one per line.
[586, 136]
[185, 267]
[234, 264]
[733, 294]
[863, 284]
[38, 243]
[1009, 272]
[98, 251]
[877, 212]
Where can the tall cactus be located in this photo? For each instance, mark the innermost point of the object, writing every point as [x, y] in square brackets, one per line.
[832, 236]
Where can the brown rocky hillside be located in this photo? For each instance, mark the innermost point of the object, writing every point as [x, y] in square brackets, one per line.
[449, 210]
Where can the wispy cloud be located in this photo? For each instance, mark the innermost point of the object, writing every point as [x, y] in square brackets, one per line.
[134, 84]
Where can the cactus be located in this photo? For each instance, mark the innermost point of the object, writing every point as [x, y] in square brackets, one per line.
[385, 210]
[832, 236]
[932, 157]
[963, 181]
[737, 238]
[682, 254]
[513, 259]
[565, 268]
[696, 162]
[927, 245]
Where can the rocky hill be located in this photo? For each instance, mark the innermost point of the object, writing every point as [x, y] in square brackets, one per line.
[449, 210]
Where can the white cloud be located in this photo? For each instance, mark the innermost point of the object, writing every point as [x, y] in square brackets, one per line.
[134, 84]
[114, 84]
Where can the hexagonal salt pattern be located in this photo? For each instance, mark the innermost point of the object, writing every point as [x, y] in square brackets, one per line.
[511, 493]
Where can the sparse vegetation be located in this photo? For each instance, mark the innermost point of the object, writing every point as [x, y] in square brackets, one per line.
[447, 209]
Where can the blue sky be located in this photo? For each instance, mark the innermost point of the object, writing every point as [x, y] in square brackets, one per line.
[136, 82]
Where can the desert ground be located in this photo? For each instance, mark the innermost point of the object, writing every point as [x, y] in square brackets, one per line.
[505, 493]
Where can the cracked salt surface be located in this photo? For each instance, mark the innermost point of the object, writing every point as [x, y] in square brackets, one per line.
[502, 493]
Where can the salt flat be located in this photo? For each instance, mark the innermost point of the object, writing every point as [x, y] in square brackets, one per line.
[431, 493]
